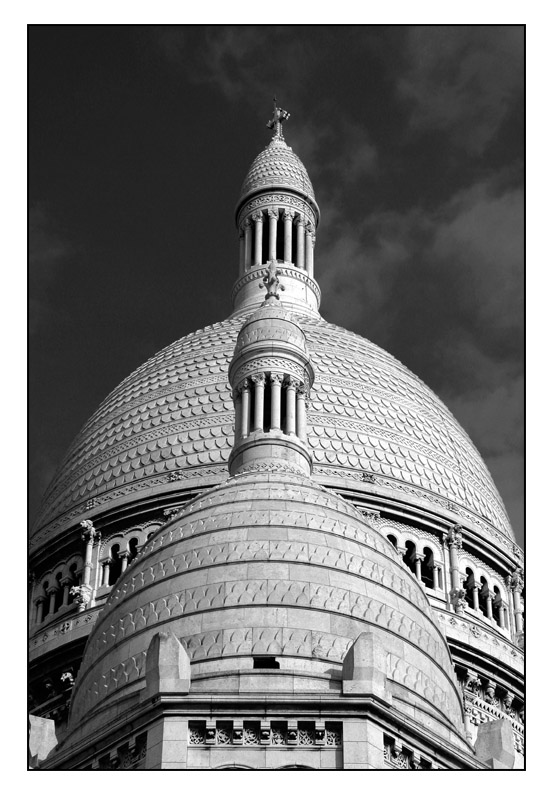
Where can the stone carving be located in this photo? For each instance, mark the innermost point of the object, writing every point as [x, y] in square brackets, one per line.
[458, 600]
[81, 595]
[89, 533]
[251, 735]
[271, 281]
[454, 536]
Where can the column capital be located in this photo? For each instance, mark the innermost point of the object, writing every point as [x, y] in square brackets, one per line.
[273, 213]
[259, 379]
[309, 228]
[299, 220]
[66, 581]
[246, 223]
[454, 536]
[257, 216]
[243, 386]
[287, 214]
[292, 383]
[89, 532]
[516, 580]
[276, 377]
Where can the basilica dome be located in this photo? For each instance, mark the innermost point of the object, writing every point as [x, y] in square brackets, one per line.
[371, 422]
[268, 565]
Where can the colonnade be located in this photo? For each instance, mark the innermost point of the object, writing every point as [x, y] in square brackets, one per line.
[271, 401]
[281, 244]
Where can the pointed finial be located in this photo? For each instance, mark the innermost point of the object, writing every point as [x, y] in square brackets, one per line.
[278, 116]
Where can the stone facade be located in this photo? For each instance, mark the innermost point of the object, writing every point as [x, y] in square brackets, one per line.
[273, 547]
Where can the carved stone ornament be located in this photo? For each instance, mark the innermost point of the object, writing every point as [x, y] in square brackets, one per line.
[287, 214]
[473, 684]
[457, 597]
[454, 536]
[276, 377]
[81, 595]
[271, 281]
[258, 379]
[273, 213]
[89, 533]
[517, 580]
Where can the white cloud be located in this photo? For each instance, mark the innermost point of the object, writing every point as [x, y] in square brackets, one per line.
[463, 79]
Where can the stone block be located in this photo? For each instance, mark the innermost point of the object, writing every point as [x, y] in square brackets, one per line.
[364, 666]
[167, 666]
[494, 745]
[42, 738]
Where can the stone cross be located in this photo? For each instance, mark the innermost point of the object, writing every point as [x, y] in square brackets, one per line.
[272, 281]
[278, 116]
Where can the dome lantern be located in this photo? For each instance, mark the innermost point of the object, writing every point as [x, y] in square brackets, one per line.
[277, 217]
[271, 375]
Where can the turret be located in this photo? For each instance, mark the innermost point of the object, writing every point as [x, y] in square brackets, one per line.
[277, 217]
[271, 375]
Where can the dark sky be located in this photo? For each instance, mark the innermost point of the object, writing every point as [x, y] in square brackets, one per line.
[140, 137]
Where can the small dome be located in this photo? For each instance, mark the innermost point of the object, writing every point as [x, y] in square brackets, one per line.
[277, 165]
[267, 564]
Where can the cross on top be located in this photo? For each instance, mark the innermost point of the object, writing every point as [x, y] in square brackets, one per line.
[278, 116]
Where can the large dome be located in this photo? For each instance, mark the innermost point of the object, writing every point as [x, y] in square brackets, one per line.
[371, 421]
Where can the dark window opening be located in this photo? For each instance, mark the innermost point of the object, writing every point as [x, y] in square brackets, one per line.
[409, 557]
[427, 568]
[280, 239]
[265, 662]
[393, 540]
[468, 586]
[483, 592]
[266, 409]
[133, 550]
[265, 239]
[115, 568]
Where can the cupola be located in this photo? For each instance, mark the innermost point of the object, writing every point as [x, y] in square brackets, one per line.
[271, 375]
[277, 217]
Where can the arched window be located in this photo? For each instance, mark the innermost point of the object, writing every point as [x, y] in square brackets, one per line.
[497, 605]
[409, 557]
[468, 586]
[427, 568]
[73, 574]
[392, 539]
[132, 549]
[484, 591]
[59, 593]
[115, 569]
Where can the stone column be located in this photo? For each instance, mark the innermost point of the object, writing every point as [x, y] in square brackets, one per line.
[418, 567]
[247, 244]
[288, 220]
[124, 560]
[516, 583]
[476, 588]
[489, 603]
[257, 217]
[309, 232]
[52, 592]
[272, 233]
[246, 400]
[39, 602]
[457, 593]
[89, 536]
[302, 413]
[66, 583]
[501, 613]
[435, 577]
[106, 566]
[300, 225]
[258, 408]
[291, 388]
[241, 267]
[276, 381]
[454, 541]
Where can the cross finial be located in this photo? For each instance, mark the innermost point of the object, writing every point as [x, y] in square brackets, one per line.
[278, 116]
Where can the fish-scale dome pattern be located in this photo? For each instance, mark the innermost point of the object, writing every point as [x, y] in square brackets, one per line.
[259, 565]
[277, 165]
[170, 425]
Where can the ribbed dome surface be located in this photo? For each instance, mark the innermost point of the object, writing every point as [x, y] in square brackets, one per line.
[277, 165]
[371, 423]
[268, 564]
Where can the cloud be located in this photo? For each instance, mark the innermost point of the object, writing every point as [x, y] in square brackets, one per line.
[441, 290]
[463, 79]
[48, 254]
